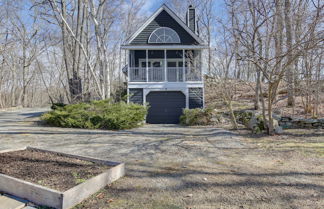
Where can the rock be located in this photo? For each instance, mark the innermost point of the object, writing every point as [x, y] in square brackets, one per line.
[321, 120]
[252, 123]
[275, 123]
[189, 195]
[285, 119]
[317, 124]
[310, 121]
[277, 117]
[286, 125]
[205, 179]
[278, 130]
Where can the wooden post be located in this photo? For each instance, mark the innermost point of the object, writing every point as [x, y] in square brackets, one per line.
[183, 65]
[128, 73]
[200, 65]
[147, 65]
[165, 66]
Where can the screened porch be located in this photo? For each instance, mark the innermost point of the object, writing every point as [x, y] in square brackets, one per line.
[164, 66]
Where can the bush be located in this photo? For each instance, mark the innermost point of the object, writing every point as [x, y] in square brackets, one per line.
[243, 117]
[194, 117]
[97, 115]
[57, 105]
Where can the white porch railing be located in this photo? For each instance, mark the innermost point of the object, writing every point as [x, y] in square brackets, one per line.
[157, 74]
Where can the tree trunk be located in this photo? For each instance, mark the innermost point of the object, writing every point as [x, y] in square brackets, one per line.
[289, 70]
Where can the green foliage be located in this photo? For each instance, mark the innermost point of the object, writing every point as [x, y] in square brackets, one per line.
[243, 116]
[57, 105]
[97, 115]
[193, 117]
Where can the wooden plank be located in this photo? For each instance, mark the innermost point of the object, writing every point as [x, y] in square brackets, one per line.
[80, 157]
[26, 190]
[82, 191]
[12, 150]
[53, 198]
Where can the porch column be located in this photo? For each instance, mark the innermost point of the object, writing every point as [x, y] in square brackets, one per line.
[146, 65]
[183, 65]
[128, 71]
[165, 66]
[200, 65]
[129, 64]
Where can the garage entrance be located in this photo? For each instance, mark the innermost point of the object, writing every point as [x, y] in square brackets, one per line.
[165, 107]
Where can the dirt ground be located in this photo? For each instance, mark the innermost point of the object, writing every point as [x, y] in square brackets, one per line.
[268, 172]
[171, 167]
[47, 169]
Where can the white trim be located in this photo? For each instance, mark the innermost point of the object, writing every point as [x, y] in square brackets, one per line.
[177, 60]
[196, 22]
[174, 16]
[128, 77]
[183, 65]
[164, 47]
[187, 98]
[166, 85]
[165, 66]
[146, 60]
[203, 96]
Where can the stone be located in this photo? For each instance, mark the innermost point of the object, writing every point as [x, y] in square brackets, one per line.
[317, 124]
[278, 130]
[252, 123]
[275, 123]
[277, 117]
[310, 120]
[321, 120]
[286, 119]
[11, 203]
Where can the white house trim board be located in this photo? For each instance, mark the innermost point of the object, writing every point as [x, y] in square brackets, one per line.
[152, 47]
[174, 16]
[165, 85]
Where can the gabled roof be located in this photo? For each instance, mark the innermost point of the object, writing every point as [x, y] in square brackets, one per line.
[174, 16]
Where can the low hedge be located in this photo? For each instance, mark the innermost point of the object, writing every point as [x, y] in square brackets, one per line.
[196, 117]
[97, 115]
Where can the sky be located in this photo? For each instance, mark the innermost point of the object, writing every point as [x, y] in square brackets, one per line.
[150, 6]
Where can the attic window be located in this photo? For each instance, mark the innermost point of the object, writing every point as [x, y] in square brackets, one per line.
[164, 35]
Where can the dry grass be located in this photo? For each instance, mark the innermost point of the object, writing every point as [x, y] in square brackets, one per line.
[244, 99]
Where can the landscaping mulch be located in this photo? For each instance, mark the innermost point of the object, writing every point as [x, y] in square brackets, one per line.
[48, 169]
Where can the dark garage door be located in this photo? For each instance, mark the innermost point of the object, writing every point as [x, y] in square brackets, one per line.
[165, 106]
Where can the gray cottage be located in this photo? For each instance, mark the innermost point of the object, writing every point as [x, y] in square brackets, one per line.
[165, 65]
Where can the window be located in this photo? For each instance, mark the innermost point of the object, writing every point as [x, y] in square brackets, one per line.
[164, 35]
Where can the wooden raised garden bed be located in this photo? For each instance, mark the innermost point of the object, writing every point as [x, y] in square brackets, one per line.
[54, 179]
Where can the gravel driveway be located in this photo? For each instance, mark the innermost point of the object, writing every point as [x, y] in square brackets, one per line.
[170, 166]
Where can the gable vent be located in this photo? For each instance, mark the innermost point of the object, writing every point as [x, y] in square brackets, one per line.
[191, 18]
